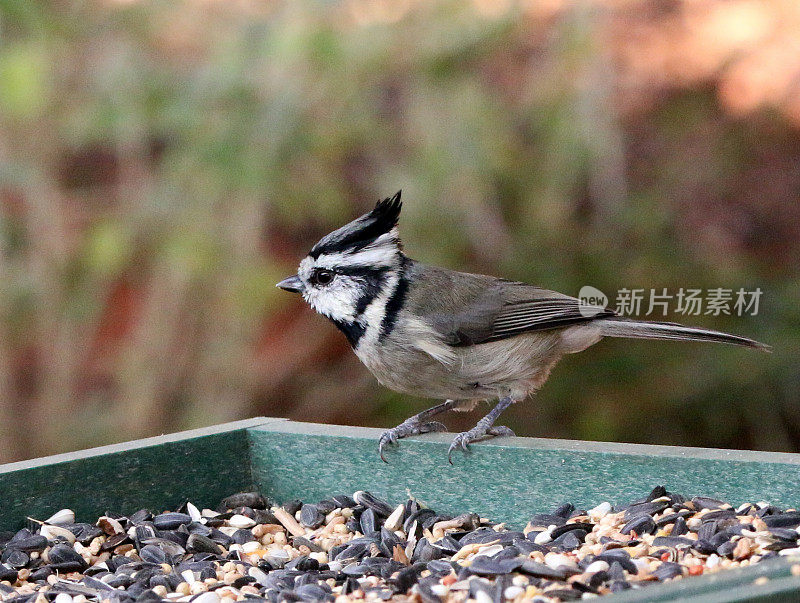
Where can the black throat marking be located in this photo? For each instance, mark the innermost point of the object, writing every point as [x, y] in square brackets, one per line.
[352, 330]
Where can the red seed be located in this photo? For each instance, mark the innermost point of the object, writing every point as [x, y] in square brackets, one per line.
[695, 570]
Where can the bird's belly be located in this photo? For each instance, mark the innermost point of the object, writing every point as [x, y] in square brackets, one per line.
[417, 375]
[513, 367]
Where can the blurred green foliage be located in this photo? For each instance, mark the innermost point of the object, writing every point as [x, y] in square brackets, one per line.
[163, 164]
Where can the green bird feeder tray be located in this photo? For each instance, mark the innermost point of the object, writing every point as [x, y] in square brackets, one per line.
[507, 479]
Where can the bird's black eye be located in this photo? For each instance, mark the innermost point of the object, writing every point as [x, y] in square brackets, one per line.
[322, 277]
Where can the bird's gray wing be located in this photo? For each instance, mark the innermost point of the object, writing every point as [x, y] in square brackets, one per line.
[473, 312]
[550, 311]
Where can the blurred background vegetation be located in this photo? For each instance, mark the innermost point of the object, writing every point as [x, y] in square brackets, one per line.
[164, 163]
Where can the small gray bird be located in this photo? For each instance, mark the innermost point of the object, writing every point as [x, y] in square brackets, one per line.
[455, 336]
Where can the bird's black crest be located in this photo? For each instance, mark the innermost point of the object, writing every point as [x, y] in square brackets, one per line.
[362, 231]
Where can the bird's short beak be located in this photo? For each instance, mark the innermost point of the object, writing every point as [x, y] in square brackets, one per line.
[293, 284]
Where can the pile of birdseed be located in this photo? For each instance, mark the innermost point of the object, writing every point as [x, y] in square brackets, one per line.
[361, 548]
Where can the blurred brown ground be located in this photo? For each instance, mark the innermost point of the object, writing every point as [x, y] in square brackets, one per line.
[163, 164]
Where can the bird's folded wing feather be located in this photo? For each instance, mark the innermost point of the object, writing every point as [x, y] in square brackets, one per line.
[542, 314]
[502, 309]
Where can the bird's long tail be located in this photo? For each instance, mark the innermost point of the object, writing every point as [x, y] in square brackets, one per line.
[619, 326]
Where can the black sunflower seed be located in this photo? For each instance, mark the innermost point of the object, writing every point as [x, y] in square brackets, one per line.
[171, 521]
[707, 530]
[29, 543]
[645, 508]
[15, 558]
[641, 524]
[667, 570]
[621, 559]
[586, 527]
[704, 502]
[419, 516]
[355, 570]
[406, 578]
[540, 570]
[153, 554]
[198, 543]
[311, 517]
[569, 541]
[489, 566]
[672, 517]
[299, 541]
[680, 528]
[704, 547]
[425, 552]
[36, 575]
[368, 522]
[784, 534]
[448, 544]
[65, 554]
[545, 520]
[380, 507]
[114, 541]
[783, 520]
[726, 549]
[140, 516]
[350, 585]
[780, 545]
[254, 500]
[9, 573]
[440, 566]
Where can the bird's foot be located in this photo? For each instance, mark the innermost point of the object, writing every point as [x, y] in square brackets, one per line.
[479, 432]
[409, 427]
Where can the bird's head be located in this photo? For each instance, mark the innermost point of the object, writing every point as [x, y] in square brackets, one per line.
[351, 267]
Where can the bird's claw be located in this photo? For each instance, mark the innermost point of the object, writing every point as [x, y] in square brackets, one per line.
[465, 438]
[390, 437]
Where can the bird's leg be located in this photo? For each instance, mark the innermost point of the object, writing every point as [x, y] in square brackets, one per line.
[484, 428]
[418, 424]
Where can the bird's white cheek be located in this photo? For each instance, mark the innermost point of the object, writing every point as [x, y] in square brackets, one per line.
[336, 304]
